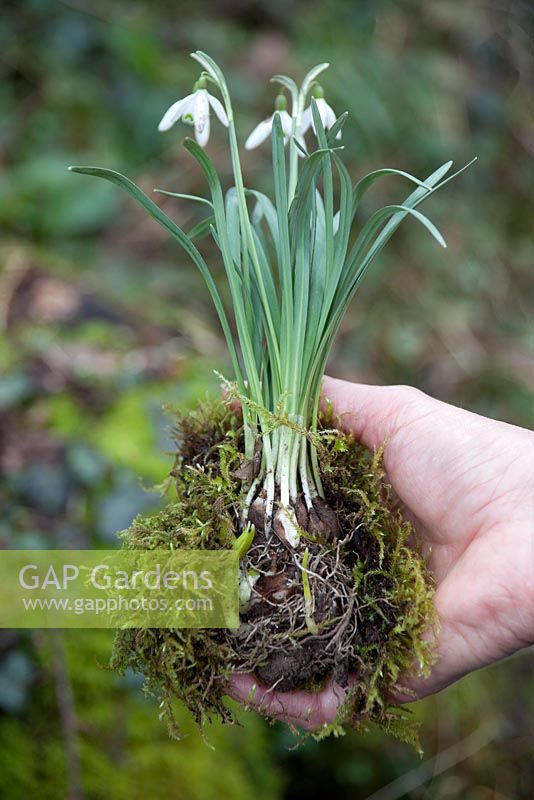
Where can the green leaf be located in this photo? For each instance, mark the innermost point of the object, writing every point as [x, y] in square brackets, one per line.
[201, 229]
[335, 129]
[264, 209]
[365, 183]
[241, 288]
[193, 197]
[328, 192]
[305, 184]
[244, 540]
[285, 277]
[177, 233]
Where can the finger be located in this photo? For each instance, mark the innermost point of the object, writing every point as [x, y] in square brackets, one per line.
[304, 709]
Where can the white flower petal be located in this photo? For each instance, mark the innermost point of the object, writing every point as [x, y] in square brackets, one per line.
[326, 112]
[309, 115]
[335, 222]
[287, 123]
[203, 134]
[201, 116]
[174, 113]
[306, 120]
[259, 134]
[202, 108]
[329, 117]
[188, 111]
[218, 107]
[302, 142]
[320, 102]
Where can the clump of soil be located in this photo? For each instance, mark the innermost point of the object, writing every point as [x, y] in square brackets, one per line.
[371, 594]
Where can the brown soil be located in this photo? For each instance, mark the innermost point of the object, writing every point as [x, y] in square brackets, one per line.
[274, 640]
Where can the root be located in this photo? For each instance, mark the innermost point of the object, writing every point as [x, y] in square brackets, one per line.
[269, 500]
[275, 640]
[250, 496]
[308, 488]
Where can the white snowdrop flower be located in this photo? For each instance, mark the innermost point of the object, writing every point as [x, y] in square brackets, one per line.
[195, 110]
[264, 129]
[326, 112]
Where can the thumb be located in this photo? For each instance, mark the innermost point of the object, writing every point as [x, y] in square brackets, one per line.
[371, 413]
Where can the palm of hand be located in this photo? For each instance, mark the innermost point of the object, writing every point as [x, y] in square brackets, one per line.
[467, 484]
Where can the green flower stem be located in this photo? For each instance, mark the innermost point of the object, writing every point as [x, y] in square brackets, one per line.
[293, 149]
[249, 249]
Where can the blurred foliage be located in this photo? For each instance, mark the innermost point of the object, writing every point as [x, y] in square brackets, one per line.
[103, 323]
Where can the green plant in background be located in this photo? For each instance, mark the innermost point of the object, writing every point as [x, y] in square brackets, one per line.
[291, 270]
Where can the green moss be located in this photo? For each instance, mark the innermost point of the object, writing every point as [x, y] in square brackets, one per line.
[391, 581]
[202, 513]
[126, 753]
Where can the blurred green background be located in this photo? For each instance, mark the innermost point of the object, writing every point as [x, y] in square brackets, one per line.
[103, 322]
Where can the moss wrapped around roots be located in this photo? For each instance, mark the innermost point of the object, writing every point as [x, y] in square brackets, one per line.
[362, 609]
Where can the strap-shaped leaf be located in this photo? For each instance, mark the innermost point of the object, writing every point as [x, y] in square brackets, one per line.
[246, 324]
[181, 196]
[306, 183]
[238, 279]
[233, 225]
[280, 194]
[265, 210]
[285, 276]
[413, 200]
[328, 190]
[201, 229]
[365, 183]
[361, 250]
[317, 278]
[354, 276]
[341, 241]
[177, 233]
[335, 129]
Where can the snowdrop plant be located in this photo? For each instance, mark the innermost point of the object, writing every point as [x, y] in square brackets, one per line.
[293, 263]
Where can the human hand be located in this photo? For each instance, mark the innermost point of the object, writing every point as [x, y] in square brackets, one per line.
[467, 484]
